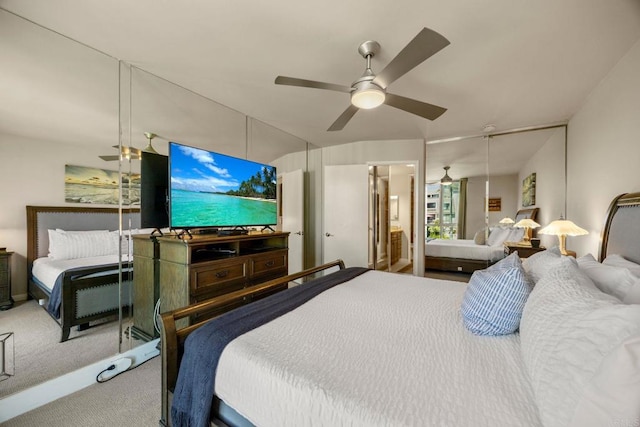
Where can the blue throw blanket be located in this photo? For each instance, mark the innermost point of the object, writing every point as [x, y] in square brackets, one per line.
[194, 390]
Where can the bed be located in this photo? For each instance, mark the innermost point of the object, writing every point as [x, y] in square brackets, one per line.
[76, 289]
[378, 348]
[468, 255]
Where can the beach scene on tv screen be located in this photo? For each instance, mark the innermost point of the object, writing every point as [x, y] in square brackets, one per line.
[214, 190]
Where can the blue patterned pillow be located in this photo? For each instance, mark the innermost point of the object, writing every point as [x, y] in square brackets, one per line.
[494, 300]
[513, 260]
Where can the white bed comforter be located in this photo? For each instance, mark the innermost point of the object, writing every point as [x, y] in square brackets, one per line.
[382, 350]
[463, 248]
[47, 270]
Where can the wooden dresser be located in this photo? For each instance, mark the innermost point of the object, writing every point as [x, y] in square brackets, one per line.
[182, 272]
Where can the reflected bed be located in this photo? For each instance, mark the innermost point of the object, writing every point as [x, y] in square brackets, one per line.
[77, 290]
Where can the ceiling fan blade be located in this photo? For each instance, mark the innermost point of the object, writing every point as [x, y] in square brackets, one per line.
[340, 123]
[109, 158]
[422, 109]
[292, 81]
[427, 43]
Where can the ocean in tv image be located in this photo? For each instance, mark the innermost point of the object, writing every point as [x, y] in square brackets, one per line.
[214, 190]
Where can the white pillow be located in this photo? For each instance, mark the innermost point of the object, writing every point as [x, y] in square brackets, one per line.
[81, 244]
[570, 332]
[619, 261]
[515, 235]
[613, 393]
[616, 281]
[498, 236]
[538, 264]
[480, 238]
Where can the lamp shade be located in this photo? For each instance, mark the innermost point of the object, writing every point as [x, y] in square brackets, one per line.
[526, 223]
[563, 228]
[506, 220]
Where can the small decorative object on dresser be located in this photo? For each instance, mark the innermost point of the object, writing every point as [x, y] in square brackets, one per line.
[6, 302]
[524, 250]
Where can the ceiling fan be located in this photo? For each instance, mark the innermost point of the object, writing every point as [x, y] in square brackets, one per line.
[370, 90]
[132, 153]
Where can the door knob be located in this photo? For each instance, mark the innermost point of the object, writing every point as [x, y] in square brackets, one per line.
[328, 234]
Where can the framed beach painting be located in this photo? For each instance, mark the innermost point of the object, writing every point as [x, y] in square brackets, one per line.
[99, 186]
[529, 190]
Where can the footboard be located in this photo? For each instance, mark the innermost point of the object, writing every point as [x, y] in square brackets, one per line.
[178, 324]
[93, 295]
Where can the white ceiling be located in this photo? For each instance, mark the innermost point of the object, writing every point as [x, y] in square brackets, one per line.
[512, 63]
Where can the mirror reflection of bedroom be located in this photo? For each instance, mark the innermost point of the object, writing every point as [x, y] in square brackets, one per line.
[45, 344]
[476, 197]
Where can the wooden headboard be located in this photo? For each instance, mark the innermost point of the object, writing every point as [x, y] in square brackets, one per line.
[621, 231]
[42, 218]
[529, 213]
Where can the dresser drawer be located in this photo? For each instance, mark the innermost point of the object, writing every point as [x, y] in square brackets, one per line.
[208, 278]
[268, 264]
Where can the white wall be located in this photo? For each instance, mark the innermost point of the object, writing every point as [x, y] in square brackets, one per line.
[476, 194]
[33, 173]
[549, 166]
[604, 150]
[506, 188]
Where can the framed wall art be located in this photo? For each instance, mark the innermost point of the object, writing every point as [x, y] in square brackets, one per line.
[529, 190]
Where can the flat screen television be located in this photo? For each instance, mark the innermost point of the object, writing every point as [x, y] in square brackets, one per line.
[213, 190]
[154, 190]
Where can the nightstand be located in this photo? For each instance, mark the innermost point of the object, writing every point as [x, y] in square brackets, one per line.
[524, 250]
[6, 302]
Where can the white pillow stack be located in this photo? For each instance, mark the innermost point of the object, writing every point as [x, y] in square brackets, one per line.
[619, 261]
[612, 280]
[82, 244]
[581, 348]
[538, 264]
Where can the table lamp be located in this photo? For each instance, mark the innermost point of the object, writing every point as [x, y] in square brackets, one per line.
[526, 224]
[506, 221]
[563, 228]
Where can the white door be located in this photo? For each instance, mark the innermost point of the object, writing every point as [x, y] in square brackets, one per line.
[293, 217]
[345, 200]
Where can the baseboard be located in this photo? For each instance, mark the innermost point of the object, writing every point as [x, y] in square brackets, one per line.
[34, 397]
[21, 297]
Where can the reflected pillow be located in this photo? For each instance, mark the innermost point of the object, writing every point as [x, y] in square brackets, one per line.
[82, 244]
[498, 236]
[480, 237]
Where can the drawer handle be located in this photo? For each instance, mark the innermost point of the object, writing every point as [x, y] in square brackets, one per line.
[221, 274]
[270, 263]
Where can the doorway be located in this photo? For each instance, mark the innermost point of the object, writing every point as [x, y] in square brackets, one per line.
[391, 219]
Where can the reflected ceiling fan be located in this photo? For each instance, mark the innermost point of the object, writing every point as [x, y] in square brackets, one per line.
[132, 153]
[370, 90]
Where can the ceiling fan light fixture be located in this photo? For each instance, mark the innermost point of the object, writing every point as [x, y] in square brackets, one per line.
[367, 95]
[446, 179]
[149, 148]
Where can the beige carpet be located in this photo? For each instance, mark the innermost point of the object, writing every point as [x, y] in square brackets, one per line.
[130, 399]
[39, 356]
